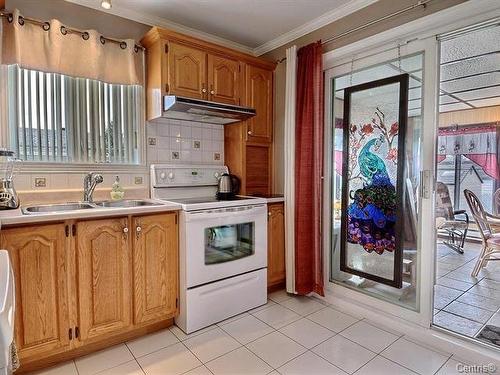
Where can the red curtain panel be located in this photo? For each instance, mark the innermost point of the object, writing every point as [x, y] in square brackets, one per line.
[309, 170]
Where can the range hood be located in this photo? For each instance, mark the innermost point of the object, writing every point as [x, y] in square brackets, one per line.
[181, 108]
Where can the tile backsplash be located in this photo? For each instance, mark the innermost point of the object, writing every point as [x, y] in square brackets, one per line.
[184, 142]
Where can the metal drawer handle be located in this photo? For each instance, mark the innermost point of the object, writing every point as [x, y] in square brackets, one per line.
[125, 230]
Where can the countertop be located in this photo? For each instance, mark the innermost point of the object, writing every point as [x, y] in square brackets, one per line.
[15, 217]
[274, 198]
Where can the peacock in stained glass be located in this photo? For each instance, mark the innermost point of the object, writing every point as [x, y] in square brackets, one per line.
[371, 214]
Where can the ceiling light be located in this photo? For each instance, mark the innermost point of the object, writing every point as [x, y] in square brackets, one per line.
[106, 4]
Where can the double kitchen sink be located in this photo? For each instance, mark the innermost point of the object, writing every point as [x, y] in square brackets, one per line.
[65, 207]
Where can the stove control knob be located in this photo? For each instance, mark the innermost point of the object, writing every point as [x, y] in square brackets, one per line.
[162, 175]
[171, 176]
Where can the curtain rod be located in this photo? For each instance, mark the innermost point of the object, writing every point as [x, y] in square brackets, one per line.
[9, 16]
[420, 3]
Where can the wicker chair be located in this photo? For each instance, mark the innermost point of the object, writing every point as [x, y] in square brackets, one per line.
[486, 224]
[454, 223]
[496, 203]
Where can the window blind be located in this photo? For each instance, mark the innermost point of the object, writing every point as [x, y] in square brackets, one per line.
[57, 118]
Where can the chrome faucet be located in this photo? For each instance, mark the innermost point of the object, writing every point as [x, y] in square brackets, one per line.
[90, 181]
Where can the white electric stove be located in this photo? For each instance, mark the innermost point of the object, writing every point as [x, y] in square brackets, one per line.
[223, 245]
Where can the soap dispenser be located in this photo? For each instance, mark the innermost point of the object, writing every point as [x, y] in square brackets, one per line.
[117, 191]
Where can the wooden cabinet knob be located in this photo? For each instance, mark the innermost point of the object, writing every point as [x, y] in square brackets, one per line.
[212, 92]
[203, 90]
[249, 132]
[125, 230]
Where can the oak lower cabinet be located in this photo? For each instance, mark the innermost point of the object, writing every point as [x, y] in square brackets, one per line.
[40, 264]
[84, 285]
[155, 267]
[276, 273]
[104, 277]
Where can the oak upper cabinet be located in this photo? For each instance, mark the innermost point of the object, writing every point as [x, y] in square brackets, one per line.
[181, 65]
[259, 95]
[155, 259]
[224, 80]
[104, 277]
[276, 244]
[187, 71]
[40, 268]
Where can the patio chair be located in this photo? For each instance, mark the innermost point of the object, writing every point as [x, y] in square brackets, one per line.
[454, 223]
[487, 225]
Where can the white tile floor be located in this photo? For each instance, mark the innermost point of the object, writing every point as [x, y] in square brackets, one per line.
[289, 335]
[462, 303]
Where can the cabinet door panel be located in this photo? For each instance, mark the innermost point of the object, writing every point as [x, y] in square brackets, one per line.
[223, 80]
[104, 287]
[187, 71]
[258, 169]
[276, 244]
[259, 95]
[40, 269]
[155, 267]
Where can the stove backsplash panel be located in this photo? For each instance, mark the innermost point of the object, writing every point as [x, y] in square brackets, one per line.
[184, 142]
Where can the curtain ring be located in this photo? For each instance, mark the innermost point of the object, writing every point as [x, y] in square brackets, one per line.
[102, 39]
[63, 30]
[85, 35]
[20, 20]
[123, 45]
[46, 26]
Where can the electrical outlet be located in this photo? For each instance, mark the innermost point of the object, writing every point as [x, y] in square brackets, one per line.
[40, 182]
[176, 155]
[138, 180]
[196, 145]
[152, 141]
[216, 156]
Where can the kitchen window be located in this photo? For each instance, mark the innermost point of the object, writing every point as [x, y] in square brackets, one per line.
[62, 119]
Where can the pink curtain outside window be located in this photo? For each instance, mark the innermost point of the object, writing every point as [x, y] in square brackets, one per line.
[309, 170]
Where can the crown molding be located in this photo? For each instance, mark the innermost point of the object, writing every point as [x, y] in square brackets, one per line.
[315, 24]
[325, 19]
[161, 22]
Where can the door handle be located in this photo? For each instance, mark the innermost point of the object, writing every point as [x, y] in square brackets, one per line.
[425, 180]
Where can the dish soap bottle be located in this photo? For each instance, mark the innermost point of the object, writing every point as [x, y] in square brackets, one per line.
[117, 191]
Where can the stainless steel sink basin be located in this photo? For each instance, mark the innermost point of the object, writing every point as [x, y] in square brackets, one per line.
[65, 207]
[59, 207]
[126, 203]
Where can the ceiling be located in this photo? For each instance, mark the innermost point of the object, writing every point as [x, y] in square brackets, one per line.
[251, 25]
[469, 73]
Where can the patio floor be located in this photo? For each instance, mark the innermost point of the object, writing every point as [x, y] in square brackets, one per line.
[462, 303]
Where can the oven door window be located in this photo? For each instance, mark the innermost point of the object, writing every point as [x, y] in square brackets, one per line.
[229, 242]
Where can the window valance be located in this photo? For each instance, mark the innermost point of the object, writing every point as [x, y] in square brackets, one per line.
[53, 47]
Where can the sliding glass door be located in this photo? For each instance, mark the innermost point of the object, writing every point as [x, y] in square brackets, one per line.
[467, 290]
[377, 213]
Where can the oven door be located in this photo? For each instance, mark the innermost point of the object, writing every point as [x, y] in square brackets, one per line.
[224, 242]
